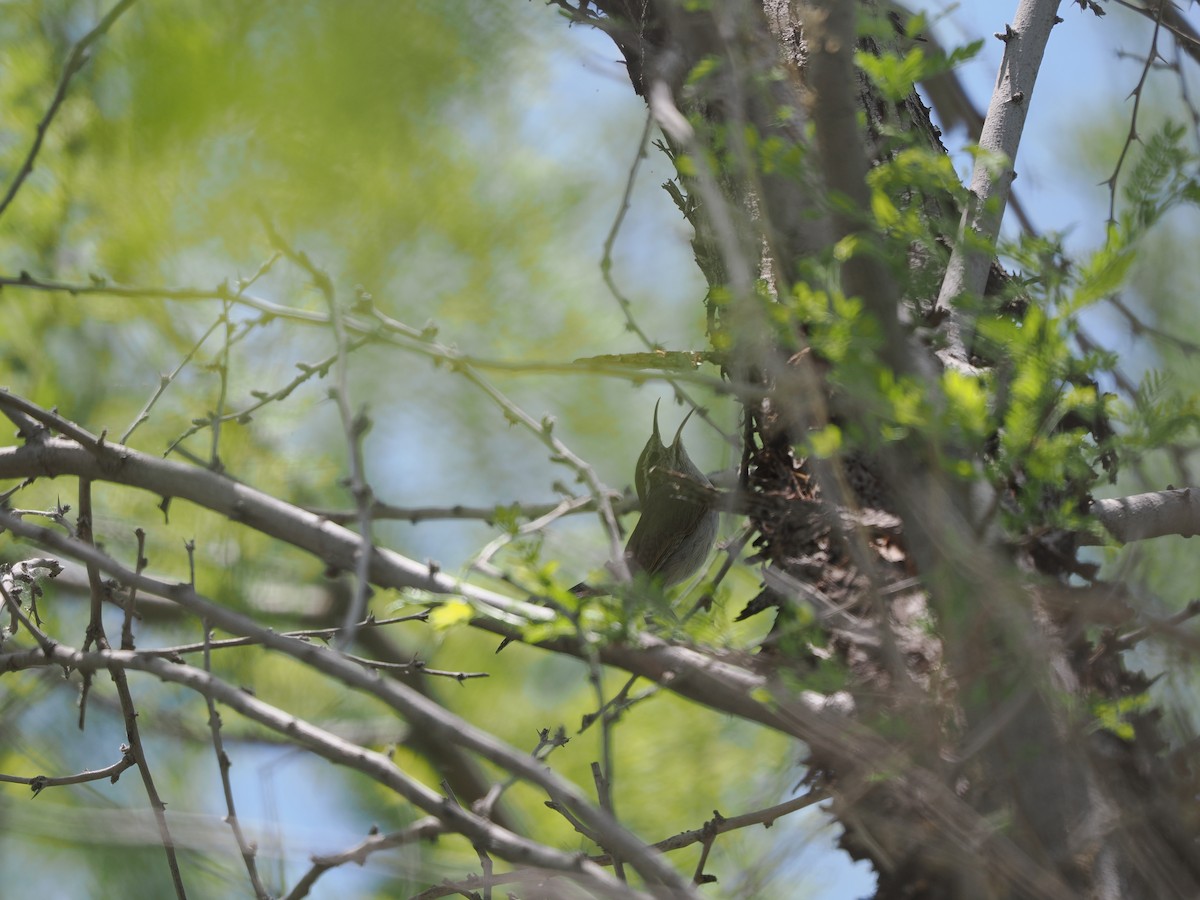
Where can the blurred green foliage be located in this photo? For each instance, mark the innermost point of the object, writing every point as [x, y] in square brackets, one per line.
[410, 148]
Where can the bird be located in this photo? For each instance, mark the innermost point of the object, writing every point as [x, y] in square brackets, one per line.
[675, 533]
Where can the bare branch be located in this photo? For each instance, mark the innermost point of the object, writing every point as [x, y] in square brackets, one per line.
[76, 60]
[377, 766]
[1143, 516]
[354, 428]
[622, 503]
[423, 830]
[677, 367]
[97, 637]
[240, 503]
[323, 633]
[966, 275]
[1152, 56]
[419, 710]
[112, 773]
[248, 851]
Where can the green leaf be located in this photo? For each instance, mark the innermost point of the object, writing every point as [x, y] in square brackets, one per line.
[450, 615]
[825, 442]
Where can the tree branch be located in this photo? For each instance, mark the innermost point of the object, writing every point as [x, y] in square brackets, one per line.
[419, 710]
[377, 766]
[331, 543]
[1143, 516]
[966, 275]
[75, 61]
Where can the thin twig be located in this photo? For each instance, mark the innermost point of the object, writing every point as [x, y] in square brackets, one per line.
[323, 633]
[96, 636]
[165, 382]
[617, 704]
[1169, 625]
[354, 427]
[489, 515]
[375, 765]
[649, 366]
[130, 604]
[415, 666]
[547, 743]
[420, 711]
[1151, 56]
[214, 456]
[75, 61]
[422, 830]
[564, 507]
[110, 773]
[716, 826]
[623, 302]
[262, 398]
[9, 591]
[248, 850]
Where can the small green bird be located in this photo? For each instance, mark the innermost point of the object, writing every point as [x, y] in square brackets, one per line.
[673, 537]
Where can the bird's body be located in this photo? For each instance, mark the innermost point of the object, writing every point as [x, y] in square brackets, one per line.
[675, 533]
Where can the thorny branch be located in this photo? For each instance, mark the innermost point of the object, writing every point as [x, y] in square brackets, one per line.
[76, 60]
[418, 709]
[38, 783]
[354, 429]
[375, 765]
[1152, 56]
[96, 637]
